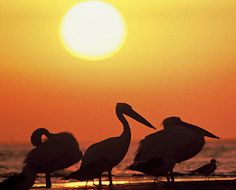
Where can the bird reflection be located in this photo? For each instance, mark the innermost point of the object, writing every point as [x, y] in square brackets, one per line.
[104, 155]
[59, 151]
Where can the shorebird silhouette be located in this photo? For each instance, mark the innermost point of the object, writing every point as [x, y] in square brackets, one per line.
[21, 181]
[59, 151]
[104, 155]
[183, 139]
[206, 169]
[158, 166]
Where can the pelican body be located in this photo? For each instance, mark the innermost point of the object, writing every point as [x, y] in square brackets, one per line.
[59, 151]
[104, 155]
[184, 139]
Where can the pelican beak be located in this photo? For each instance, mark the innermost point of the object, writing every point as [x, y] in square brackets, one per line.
[133, 114]
[199, 130]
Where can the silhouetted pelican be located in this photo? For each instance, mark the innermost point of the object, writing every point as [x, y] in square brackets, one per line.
[104, 155]
[157, 166]
[22, 181]
[184, 139]
[206, 169]
[59, 151]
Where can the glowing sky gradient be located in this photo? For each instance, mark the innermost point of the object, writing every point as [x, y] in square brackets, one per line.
[179, 59]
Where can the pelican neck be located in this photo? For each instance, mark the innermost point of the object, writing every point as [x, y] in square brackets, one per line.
[126, 128]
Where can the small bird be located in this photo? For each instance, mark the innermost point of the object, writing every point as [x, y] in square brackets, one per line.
[106, 154]
[158, 166]
[58, 151]
[206, 169]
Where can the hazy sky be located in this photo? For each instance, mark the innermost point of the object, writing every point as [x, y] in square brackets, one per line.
[179, 59]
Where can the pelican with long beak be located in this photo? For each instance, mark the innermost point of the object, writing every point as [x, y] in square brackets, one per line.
[58, 151]
[105, 155]
[184, 139]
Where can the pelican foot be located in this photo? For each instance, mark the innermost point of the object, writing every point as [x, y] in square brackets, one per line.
[48, 186]
[156, 185]
[48, 180]
[98, 186]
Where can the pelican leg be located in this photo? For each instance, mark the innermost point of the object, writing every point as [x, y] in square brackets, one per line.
[168, 178]
[172, 176]
[110, 177]
[48, 180]
[86, 184]
[95, 184]
[100, 181]
[155, 180]
[153, 186]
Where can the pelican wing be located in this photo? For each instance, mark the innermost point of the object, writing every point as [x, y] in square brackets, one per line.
[110, 149]
[185, 143]
[147, 145]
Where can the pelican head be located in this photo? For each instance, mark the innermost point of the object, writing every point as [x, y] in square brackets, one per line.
[213, 161]
[36, 137]
[171, 121]
[128, 110]
[176, 121]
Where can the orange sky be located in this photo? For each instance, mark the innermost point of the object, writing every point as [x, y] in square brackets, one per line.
[179, 59]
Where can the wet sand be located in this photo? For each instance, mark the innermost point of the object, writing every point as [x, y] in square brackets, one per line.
[191, 184]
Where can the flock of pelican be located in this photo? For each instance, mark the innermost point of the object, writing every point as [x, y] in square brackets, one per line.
[156, 155]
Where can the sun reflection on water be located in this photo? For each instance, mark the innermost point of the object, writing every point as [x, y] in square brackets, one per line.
[78, 184]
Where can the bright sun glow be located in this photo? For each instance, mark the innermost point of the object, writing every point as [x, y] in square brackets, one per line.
[93, 30]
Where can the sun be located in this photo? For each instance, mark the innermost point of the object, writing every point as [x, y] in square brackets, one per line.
[93, 30]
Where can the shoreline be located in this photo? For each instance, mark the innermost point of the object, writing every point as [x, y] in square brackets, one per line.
[180, 184]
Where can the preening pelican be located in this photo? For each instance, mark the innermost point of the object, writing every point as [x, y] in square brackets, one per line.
[104, 155]
[206, 169]
[59, 151]
[184, 139]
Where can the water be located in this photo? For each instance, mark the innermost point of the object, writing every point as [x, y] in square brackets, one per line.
[224, 151]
